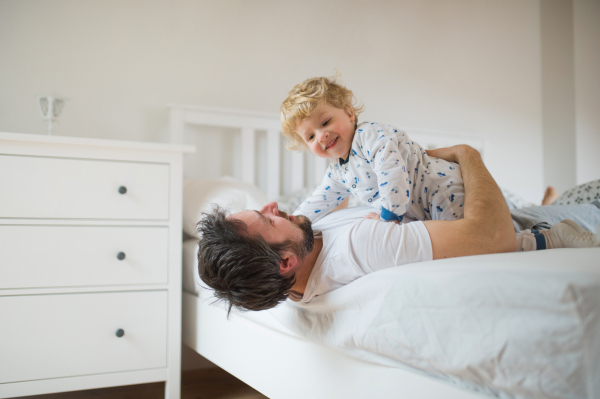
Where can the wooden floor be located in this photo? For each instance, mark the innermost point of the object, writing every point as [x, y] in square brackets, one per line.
[213, 383]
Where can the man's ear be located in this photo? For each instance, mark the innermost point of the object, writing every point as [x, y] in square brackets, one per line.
[288, 261]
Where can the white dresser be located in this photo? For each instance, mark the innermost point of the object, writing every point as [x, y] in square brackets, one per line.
[90, 264]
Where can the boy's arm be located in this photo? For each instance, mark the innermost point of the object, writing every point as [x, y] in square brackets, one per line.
[393, 183]
[487, 225]
[326, 197]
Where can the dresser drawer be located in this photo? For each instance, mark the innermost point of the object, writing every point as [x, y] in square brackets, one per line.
[67, 256]
[50, 336]
[63, 188]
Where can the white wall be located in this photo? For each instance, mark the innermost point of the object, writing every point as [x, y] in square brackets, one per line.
[463, 65]
[570, 52]
[558, 94]
[586, 15]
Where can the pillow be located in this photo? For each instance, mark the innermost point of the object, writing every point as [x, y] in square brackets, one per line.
[515, 201]
[227, 192]
[583, 194]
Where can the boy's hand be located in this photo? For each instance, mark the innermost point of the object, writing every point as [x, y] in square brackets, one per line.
[450, 154]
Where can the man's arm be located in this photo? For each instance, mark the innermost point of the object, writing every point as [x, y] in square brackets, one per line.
[487, 225]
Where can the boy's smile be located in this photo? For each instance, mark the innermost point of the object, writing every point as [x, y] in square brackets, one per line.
[329, 131]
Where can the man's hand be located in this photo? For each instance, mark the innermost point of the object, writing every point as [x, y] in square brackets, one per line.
[451, 154]
[487, 225]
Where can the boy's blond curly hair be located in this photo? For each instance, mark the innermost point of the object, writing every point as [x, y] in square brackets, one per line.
[305, 98]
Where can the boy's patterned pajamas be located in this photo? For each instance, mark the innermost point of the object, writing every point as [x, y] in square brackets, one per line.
[388, 171]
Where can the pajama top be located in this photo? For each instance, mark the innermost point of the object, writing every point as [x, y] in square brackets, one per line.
[393, 174]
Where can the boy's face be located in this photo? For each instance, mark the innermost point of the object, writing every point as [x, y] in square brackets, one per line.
[329, 131]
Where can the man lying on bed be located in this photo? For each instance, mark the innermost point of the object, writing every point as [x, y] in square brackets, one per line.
[256, 259]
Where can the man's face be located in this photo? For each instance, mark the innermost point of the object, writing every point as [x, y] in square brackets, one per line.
[276, 227]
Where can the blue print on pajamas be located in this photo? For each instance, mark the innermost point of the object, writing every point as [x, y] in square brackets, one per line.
[402, 173]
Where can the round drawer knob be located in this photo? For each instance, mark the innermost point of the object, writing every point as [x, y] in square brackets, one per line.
[122, 190]
[120, 332]
[121, 255]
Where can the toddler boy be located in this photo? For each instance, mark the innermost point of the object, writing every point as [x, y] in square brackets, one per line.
[377, 163]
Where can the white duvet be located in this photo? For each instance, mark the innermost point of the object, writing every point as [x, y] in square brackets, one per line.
[519, 325]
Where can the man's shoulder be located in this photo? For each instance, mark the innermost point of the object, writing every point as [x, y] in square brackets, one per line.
[354, 230]
[344, 217]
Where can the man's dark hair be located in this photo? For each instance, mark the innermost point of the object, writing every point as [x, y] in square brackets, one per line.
[243, 270]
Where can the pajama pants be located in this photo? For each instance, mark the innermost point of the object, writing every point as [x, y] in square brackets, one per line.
[528, 221]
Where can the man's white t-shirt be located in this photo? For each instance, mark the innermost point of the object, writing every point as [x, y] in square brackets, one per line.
[354, 246]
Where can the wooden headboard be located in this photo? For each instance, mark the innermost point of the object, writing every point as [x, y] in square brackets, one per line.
[249, 146]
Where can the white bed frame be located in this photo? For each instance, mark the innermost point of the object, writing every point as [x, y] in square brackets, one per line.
[279, 365]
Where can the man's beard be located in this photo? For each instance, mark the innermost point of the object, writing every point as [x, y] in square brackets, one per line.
[301, 247]
[308, 238]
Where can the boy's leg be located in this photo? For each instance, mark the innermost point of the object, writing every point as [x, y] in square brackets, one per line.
[540, 228]
[543, 217]
[448, 203]
[526, 241]
[566, 234]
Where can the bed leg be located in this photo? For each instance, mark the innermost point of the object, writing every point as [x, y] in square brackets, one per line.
[173, 387]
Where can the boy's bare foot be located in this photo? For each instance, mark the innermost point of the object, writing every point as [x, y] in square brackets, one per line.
[549, 196]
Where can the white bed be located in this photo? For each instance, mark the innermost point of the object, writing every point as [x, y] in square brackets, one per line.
[534, 335]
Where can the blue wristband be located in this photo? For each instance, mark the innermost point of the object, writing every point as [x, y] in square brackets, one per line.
[389, 216]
